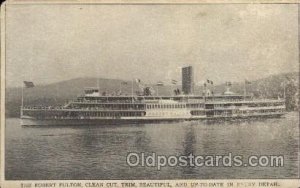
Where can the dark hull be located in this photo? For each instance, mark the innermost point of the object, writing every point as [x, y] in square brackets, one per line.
[41, 122]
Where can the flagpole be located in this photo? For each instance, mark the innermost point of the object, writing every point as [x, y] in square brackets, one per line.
[97, 80]
[284, 90]
[204, 92]
[213, 91]
[132, 90]
[22, 102]
[245, 90]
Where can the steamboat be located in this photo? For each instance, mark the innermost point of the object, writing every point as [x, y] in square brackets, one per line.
[96, 108]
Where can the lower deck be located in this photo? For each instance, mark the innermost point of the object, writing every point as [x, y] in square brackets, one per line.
[27, 120]
[183, 113]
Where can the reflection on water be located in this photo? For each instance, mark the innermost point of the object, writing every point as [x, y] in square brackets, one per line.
[99, 152]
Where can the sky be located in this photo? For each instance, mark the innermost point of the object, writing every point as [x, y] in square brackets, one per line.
[52, 43]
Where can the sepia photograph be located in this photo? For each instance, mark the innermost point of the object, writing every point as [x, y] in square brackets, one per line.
[150, 91]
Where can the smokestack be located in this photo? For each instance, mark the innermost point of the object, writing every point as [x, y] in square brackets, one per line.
[187, 80]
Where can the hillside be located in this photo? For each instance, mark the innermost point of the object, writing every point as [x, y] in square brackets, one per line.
[59, 93]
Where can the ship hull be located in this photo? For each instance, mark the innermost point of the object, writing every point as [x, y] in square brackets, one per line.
[57, 122]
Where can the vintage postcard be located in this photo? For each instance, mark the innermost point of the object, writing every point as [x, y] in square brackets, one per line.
[147, 94]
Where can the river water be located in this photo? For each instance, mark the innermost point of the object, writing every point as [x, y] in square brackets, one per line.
[99, 152]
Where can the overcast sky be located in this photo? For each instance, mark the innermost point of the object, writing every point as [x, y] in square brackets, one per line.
[50, 43]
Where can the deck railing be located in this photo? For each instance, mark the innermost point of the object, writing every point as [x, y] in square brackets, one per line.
[80, 109]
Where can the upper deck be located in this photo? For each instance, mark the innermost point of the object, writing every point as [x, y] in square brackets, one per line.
[93, 96]
[218, 99]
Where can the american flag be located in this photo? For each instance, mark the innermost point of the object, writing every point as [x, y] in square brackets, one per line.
[28, 84]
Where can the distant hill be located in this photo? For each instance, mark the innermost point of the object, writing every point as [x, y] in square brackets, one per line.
[61, 92]
[272, 87]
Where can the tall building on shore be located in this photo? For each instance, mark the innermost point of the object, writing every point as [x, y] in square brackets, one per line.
[187, 80]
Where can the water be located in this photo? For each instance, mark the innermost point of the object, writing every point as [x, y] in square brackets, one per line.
[99, 152]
